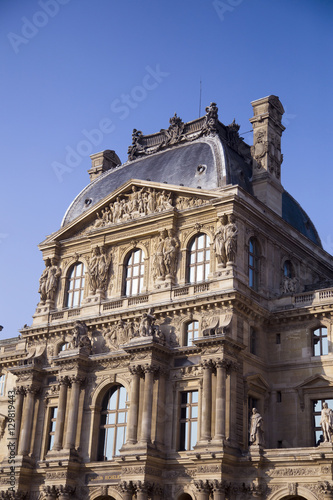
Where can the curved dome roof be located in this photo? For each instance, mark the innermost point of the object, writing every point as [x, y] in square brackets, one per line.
[197, 154]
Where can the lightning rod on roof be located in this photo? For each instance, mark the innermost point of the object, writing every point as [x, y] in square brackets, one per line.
[200, 99]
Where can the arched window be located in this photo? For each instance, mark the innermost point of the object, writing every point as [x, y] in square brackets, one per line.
[112, 434]
[254, 264]
[192, 332]
[199, 258]
[75, 285]
[288, 270]
[134, 273]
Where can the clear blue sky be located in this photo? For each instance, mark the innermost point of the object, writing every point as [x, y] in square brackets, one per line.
[68, 66]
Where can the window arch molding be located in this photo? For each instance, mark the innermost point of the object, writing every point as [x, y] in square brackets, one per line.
[99, 494]
[287, 263]
[124, 259]
[60, 343]
[97, 397]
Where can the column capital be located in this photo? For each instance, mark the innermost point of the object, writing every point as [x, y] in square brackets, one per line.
[151, 369]
[202, 486]
[135, 370]
[207, 364]
[63, 380]
[76, 379]
[32, 389]
[20, 390]
[220, 486]
[143, 486]
[126, 487]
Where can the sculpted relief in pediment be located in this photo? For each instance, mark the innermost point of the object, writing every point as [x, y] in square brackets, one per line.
[140, 202]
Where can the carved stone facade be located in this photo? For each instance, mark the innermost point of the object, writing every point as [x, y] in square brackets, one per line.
[194, 357]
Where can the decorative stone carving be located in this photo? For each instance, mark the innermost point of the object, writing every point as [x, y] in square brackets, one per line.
[289, 285]
[98, 268]
[259, 148]
[256, 429]
[48, 282]
[137, 147]
[183, 202]
[137, 203]
[166, 255]
[175, 132]
[211, 119]
[119, 334]
[326, 422]
[80, 338]
[225, 240]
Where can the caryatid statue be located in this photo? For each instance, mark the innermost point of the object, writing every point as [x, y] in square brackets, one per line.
[98, 268]
[48, 282]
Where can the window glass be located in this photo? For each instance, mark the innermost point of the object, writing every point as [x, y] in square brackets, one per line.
[75, 285]
[198, 259]
[253, 264]
[192, 332]
[113, 423]
[134, 273]
[188, 429]
[320, 341]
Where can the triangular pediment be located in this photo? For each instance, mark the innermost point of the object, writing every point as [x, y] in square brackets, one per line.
[320, 381]
[256, 381]
[135, 200]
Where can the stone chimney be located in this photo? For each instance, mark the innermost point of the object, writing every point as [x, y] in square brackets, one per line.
[266, 151]
[101, 162]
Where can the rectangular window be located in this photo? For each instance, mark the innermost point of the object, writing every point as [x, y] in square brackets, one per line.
[52, 426]
[2, 385]
[320, 342]
[278, 338]
[188, 420]
[317, 405]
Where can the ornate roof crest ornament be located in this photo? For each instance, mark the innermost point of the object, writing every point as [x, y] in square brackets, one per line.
[211, 119]
[175, 132]
[137, 148]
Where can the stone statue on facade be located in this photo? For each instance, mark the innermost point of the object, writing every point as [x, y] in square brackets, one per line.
[98, 268]
[231, 232]
[211, 119]
[117, 334]
[326, 423]
[80, 337]
[175, 131]
[166, 255]
[48, 282]
[225, 240]
[256, 428]
[137, 147]
[219, 241]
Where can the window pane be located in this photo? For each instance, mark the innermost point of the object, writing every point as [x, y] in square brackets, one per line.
[195, 397]
[199, 273]
[324, 346]
[194, 412]
[122, 397]
[200, 256]
[194, 433]
[200, 242]
[109, 443]
[135, 287]
[120, 439]
[111, 418]
[121, 417]
[135, 271]
[76, 299]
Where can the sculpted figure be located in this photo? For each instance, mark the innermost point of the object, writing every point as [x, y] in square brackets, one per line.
[146, 328]
[98, 268]
[256, 428]
[79, 336]
[326, 423]
[159, 266]
[211, 117]
[231, 239]
[171, 246]
[43, 280]
[51, 284]
[219, 241]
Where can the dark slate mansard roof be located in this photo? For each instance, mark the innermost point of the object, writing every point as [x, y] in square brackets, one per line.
[202, 153]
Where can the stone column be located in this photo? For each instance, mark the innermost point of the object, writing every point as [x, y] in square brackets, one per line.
[203, 489]
[221, 376]
[142, 489]
[19, 396]
[206, 413]
[27, 419]
[161, 408]
[219, 490]
[60, 422]
[73, 413]
[127, 490]
[132, 426]
[233, 402]
[147, 404]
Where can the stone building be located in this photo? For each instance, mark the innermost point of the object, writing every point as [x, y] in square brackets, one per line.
[181, 347]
